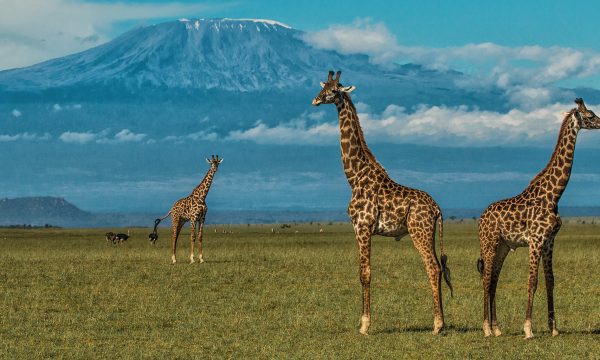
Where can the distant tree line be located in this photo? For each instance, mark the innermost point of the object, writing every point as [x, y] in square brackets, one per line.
[29, 226]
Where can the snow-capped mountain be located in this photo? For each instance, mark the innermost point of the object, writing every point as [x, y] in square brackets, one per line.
[242, 55]
[225, 54]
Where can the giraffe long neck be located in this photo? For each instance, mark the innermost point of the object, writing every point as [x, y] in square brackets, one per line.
[201, 190]
[551, 182]
[356, 156]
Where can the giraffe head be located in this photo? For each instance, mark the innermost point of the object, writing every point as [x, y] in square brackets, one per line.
[332, 91]
[586, 118]
[214, 162]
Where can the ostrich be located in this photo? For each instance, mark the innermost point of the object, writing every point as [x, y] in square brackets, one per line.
[120, 237]
[110, 237]
[154, 235]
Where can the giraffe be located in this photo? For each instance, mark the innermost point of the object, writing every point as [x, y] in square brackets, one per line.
[379, 206]
[530, 219]
[191, 208]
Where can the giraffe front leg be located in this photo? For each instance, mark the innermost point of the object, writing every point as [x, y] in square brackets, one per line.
[547, 262]
[534, 260]
[192, 240]
[363, 238]
[201, 231]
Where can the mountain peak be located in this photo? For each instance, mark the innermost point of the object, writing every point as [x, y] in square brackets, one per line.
[228, 22]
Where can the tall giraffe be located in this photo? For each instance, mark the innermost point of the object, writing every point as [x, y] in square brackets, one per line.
[379, 206]
[530, 219]
[191, 208]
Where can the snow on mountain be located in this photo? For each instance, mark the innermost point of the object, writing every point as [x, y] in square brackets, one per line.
[225, 54]
[243, 55]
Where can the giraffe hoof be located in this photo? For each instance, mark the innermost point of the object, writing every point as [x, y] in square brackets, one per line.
[365, 322]
[497, 332]
[527, 330]
[437, 327]
[487, 330]
[555, 332]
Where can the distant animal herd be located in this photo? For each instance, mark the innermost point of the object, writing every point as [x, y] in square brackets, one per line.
[380, 206]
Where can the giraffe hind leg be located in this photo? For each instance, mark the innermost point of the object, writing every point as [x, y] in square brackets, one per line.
[177, 224]
[501, 253]
[423, 236]
[488, 243]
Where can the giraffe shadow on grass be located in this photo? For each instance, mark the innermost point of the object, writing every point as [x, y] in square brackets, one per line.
[427, 329]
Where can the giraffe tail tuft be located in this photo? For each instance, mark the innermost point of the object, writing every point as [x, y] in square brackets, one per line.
[446, 273]
[480, 266]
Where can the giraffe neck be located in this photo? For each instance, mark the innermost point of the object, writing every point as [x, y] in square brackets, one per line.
[551, 182]
[201, 190]
[356, 156]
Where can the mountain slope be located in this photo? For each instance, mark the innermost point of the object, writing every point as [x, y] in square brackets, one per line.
[179, 57]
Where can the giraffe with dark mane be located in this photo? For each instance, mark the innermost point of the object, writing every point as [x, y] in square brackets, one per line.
[191, 208]
[379, 206]
[531, 220]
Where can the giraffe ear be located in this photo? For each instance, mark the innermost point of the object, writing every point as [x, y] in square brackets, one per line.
[220, 160]
[348, 89]
[208, 161]
[322, 84]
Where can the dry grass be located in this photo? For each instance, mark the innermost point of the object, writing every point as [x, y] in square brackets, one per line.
[67, 294]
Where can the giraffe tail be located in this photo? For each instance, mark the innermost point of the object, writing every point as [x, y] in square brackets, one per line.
[444, 257]
[480, 266]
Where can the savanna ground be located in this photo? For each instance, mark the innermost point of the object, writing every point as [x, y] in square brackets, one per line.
[66, 293]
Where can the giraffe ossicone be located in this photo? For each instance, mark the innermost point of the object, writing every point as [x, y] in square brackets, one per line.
[379, 206]
[530, 219]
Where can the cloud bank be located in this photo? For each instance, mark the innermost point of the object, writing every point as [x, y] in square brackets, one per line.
[527, 74]
[438, 125]
[102, 137]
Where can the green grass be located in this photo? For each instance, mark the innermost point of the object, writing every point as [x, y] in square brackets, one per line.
[65, 293]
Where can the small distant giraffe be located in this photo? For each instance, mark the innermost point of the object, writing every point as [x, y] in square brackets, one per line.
[530, 219]
[193, 209]
[379, 206]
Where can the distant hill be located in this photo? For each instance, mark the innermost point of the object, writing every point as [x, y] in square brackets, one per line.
[40, 211]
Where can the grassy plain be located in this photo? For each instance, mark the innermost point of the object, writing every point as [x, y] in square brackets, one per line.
[66, 293]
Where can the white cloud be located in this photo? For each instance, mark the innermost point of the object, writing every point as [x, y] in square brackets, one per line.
[126, 135]
[102, 137]
[526, 73]
[295, 132]
[437, 125]
[16, 113]
[363, 36]
[200, 135]
[25, 136]
[35, 30]
[57, 107]
[78, 137]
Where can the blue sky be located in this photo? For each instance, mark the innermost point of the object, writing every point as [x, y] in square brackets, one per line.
[526, 49]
